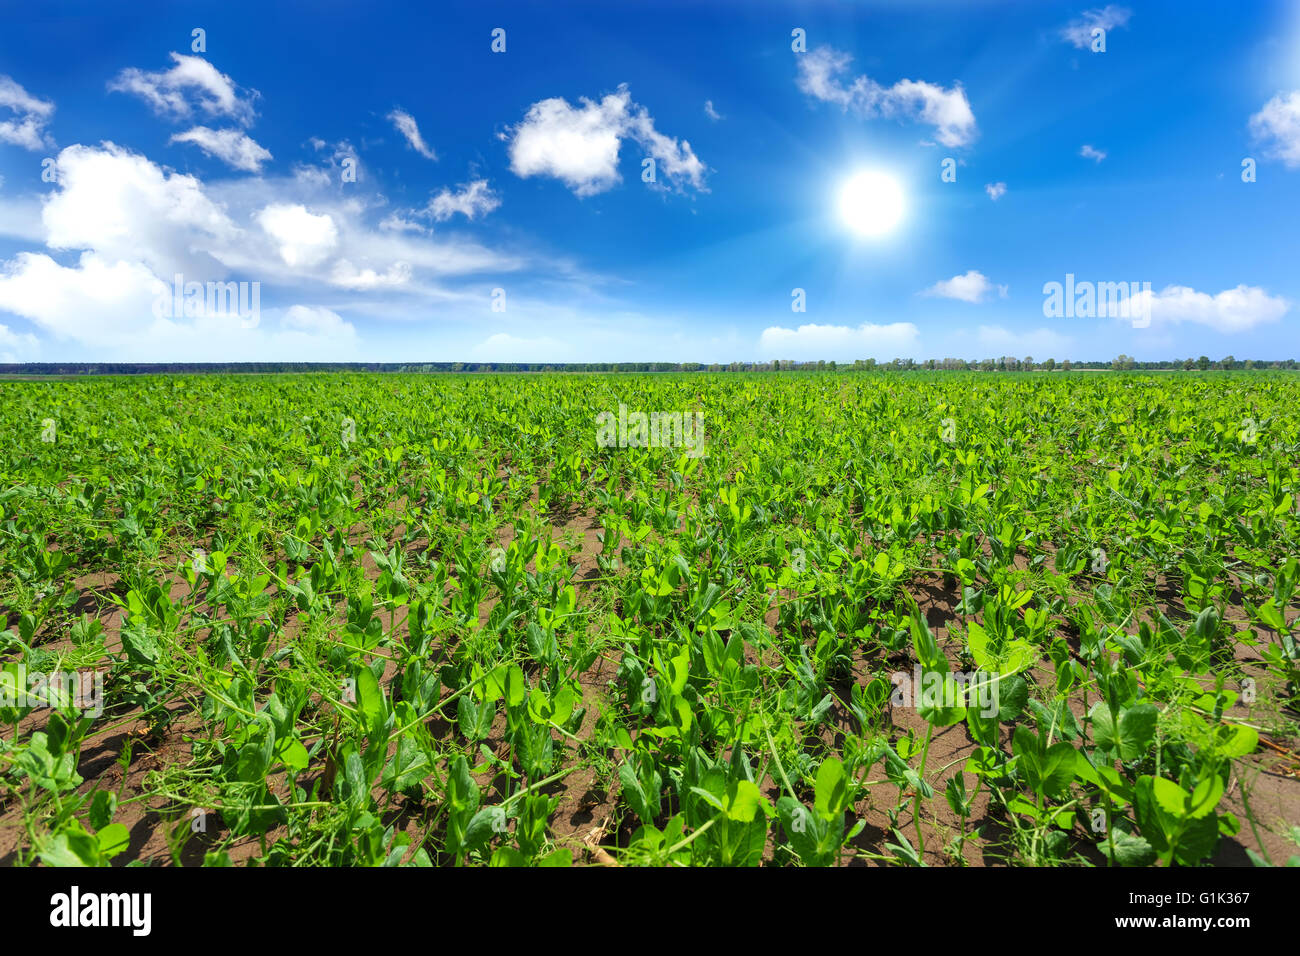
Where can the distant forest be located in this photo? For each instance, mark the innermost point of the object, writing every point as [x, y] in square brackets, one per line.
[1003, 364]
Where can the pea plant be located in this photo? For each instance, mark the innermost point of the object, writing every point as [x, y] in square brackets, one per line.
[401, 620]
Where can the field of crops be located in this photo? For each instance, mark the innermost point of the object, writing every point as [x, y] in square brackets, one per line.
[862, 618]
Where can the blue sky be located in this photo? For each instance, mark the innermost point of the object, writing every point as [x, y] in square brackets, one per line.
[398, 191]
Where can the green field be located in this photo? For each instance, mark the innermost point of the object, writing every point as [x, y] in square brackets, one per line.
[884, 618]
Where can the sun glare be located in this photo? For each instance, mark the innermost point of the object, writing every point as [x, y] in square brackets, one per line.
[871, 203]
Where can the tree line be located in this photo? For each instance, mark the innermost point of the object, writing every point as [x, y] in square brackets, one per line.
[1003, 364]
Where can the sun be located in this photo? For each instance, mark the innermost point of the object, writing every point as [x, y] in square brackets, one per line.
[871, 203]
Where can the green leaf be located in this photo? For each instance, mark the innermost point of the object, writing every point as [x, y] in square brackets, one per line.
[927, 651]
[1236, 740]
[977, 639]
[808, 833]
[938, 699]
[832, 790]
[516, 688]
[643, 798]
[102, 807]
[1170, 797]
[507, 856]
[483, 825]
[354, 775]
[1197, 840]
[1129, 849]
[113, 839]
[475, 720]
[1048, 772]
[1133, 734]
[141, 648]
[1012, 696]
[558, 857]
[73, 847]
[462, 791]
[1206, 796]
[408, 766]
[743, 801]
[370, 701]
[711, 799]
[292, 754]
[1057, 768]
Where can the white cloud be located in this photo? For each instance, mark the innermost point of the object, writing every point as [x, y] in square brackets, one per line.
[502, 347]
[396, 223]
[347, 276]
[1277, 127]
[710, 112]
[407, 126]
[109, 307]
[122, 206]
[192, 82]
[304, 239]
[580, 146]
[228, 145]
[97, 303]
[974, 286]
[15, 347]
[134, 223]
[675, 160]
[1078, 32]
[20, 218]
[822, 76]
[896, 340]
[387, 250]
[342, 161]
[1232, 310]
[471, 200]
[1090, 152]
[996, 190]
[317, 320]
[313, 177]
[26, 128]
[104, 304]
